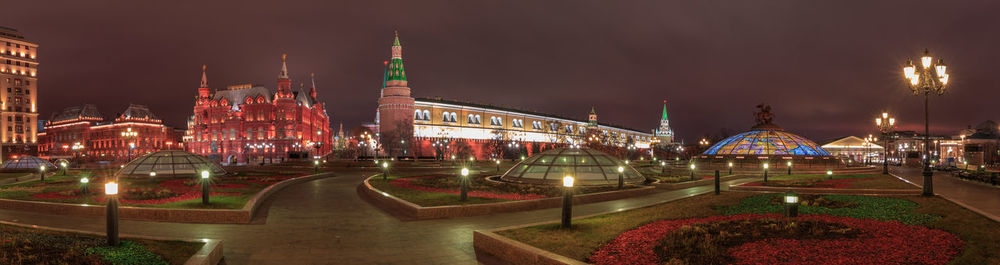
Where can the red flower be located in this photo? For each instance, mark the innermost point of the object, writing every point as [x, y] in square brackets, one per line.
[879, 242]
[53, 195]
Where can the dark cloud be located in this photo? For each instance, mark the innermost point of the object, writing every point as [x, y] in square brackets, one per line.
[826, 66]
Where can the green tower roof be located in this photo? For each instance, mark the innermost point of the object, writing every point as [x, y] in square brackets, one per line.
[664, 110]
[395, 71]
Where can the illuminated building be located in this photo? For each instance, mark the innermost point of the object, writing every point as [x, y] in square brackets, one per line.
[408, 126]
[766, 142]
[664, 135]
[854, 150]
[18, 92]
[246, 123]
[81, 133]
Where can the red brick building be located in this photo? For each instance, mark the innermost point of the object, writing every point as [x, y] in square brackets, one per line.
[81, 133]
[246, 123]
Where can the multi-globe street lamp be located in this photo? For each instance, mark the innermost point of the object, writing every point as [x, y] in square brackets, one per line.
[929, 78]
[869, 141]
[884, 125]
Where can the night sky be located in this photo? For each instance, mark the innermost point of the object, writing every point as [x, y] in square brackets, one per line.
[826, 67]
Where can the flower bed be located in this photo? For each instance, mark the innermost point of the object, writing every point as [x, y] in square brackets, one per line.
[188, 184]
[409, 184]
[57, 195]
[869, 207]
[875, 242]
[30, 246]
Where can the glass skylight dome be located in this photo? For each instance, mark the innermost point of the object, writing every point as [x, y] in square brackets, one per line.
[170, 163]
[766, 142]
[587, 166]
[26, 164]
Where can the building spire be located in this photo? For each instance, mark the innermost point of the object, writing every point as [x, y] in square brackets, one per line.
[312, 91]
[395, 71]
[664, 110]
[284, 68]
[204, 78]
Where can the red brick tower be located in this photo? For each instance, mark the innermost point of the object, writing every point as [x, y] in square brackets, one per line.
[203, 91]
[284, 83]
[395, 107]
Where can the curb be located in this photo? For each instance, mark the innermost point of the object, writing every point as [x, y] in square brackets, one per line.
[827, 191]
[409, 210]
[209, 254]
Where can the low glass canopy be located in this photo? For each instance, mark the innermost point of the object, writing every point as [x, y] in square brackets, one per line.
[174, 163]
[587, 166]
[26, 164]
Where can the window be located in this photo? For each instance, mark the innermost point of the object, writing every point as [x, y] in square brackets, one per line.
[471, 119]
[446, 117]
[427, 115]
[416, 115]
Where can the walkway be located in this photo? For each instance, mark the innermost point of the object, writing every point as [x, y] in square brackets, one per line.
[981, 197]
[325, 222]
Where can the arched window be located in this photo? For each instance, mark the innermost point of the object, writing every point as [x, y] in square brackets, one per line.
[454, 117]
[479, 120]
[472, 119]
[416, 115]
[427, 115]
[248, 100]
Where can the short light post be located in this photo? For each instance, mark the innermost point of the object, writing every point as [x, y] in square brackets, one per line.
[152, 174]
[692, 171]
[111, 191]
[789, 164]
[829, 174]
[621, 177]
[315, 166]
[84, 183]
[663, 167]
[791, 204]
[64, 167]
[567, 203]
[385, 170]
[464, 184]
[498, 166]
[205, 181]
[41, 172]
[966, 164]
[717, 180]
[730, 168]
[765, 172]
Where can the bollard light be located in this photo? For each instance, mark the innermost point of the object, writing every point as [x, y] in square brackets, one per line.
[829, 174]
[84, 183]
[498, 165]
[385, 170]
[791, 204]
[567, 203]
[41, 172]
[663, 167]
[204, 186]
[464, 184]
[111, 190]
[765, 172]
[63, 165]
[730, 168]
[789, 164]
[152, 173]
[621, 177]
[692, 171]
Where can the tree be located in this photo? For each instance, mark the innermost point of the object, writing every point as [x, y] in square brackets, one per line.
[461, 149]
[397, 142]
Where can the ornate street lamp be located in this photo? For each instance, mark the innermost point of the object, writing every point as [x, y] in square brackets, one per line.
[884, 125]
[929, 78]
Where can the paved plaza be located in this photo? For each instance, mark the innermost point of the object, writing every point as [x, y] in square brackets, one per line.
[326, 222]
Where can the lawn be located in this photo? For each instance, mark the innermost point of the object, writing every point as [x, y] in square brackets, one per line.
[227, 192]
[22, 245]
[864, 181]
[591, 238]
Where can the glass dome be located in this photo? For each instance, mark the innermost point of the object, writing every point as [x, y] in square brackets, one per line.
[766, 142]
[587, 166]
[169, 163]
[26, 164]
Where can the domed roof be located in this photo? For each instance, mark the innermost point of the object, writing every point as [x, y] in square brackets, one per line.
[26, 164]
[766, 142]
[169, 163]
[587, 166]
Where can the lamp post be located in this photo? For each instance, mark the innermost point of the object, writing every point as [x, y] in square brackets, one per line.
[315, 166]
[789, 164]
[41, 172]
[884, 125]
[663, 167]
[791, 204]
[385, 170]
[765, 172]
[621, 177]
[829, 174]
[717, 180]
[111, 191]
[63, 165]
[868, 148]
[692, 171]
[930, 78]
[730, 168]
[204, 186]
[567, 203]
[464, 184]
[498, 166]
[84, 183]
